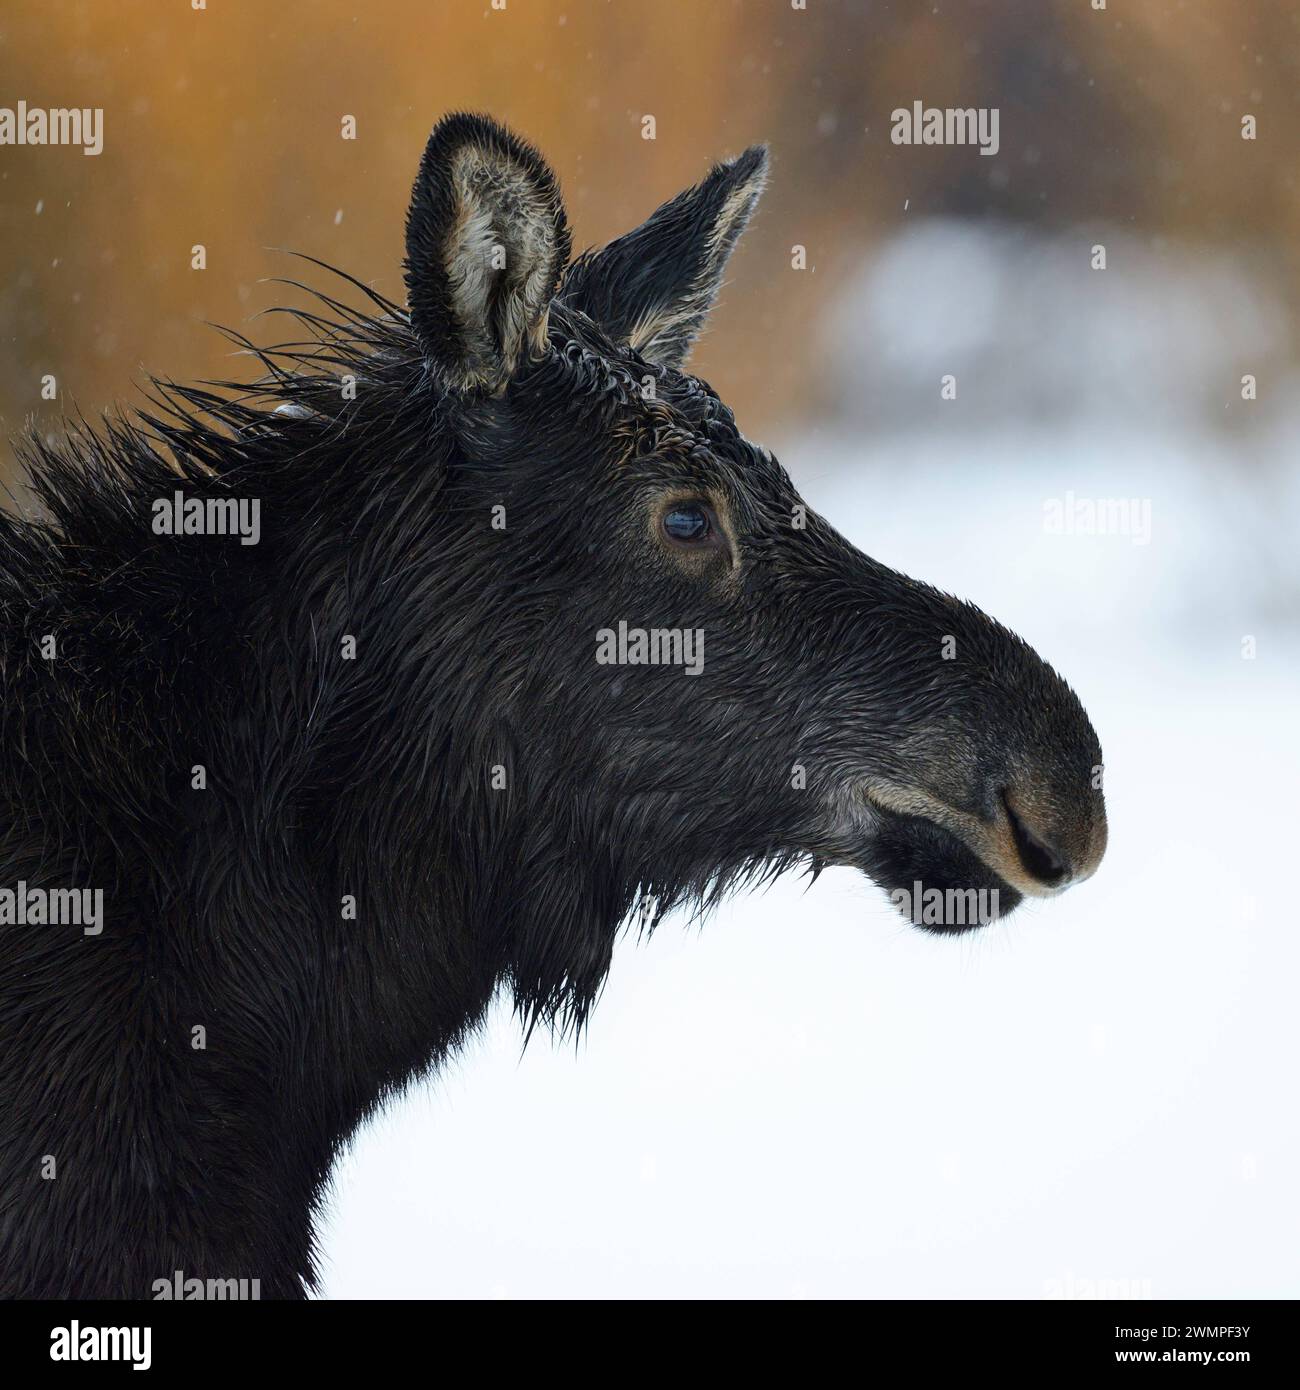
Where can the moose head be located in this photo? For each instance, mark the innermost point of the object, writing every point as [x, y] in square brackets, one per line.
[533, 643]
[704, 679]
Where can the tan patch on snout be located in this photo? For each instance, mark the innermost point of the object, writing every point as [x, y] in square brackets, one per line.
[994, 841]
[1076, 828]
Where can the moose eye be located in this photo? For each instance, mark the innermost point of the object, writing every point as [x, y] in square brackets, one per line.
[687, 523]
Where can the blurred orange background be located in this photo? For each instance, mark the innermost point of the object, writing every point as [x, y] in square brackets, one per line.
[222, 126]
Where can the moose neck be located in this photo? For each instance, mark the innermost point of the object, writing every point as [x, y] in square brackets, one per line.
[291, 935]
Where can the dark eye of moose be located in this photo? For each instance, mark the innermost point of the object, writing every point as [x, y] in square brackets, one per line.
[688, 522]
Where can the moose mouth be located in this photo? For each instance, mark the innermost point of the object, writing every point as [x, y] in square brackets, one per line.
[930, 872]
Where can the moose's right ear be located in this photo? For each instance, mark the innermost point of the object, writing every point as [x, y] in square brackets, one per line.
[654, 287]
[486, 244]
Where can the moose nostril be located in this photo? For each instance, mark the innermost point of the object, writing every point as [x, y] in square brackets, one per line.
[1042, 861]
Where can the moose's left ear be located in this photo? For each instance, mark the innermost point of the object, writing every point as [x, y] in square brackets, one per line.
[486, 243]
[654, 287]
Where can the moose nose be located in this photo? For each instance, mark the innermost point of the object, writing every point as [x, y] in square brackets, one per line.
[1041, 859]
[1052, 837]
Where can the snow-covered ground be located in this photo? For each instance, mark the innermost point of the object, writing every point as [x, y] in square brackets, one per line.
[807, 1096]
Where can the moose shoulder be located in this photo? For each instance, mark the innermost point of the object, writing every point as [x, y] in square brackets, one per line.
[528, 640]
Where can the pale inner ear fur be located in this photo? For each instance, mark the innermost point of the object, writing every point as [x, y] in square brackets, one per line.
[500, 260]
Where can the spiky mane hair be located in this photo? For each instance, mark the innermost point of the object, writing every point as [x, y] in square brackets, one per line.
[224, 430]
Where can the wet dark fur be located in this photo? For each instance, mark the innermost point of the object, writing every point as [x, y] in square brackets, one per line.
[326, 777]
